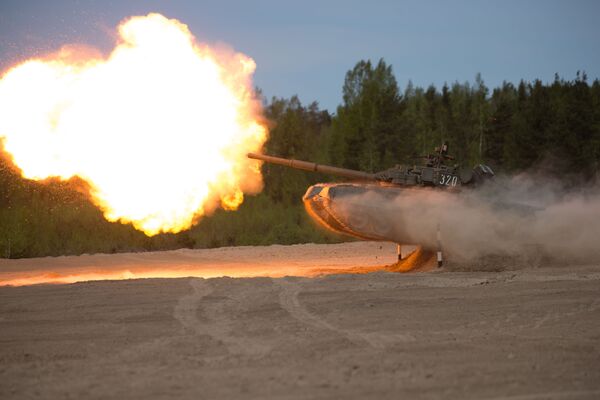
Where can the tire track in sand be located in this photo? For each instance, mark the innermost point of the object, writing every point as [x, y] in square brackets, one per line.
[288, 298]
[218, 324]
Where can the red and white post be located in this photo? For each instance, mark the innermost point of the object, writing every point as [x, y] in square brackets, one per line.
[440, 260]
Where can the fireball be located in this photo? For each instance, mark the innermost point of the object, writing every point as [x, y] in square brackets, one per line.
[159, 128]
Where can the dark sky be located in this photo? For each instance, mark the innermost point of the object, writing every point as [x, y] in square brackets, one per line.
[306, 47]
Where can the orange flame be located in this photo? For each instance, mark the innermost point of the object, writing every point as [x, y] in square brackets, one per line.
[159, 129]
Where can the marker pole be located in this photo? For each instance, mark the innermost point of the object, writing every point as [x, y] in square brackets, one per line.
[440, 260]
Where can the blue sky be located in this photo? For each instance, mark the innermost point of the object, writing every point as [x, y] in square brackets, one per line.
[306, 47]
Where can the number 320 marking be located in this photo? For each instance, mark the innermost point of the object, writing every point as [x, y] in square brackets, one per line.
[448, 180]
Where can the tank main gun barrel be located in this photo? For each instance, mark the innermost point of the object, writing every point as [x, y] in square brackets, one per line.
[308, 166]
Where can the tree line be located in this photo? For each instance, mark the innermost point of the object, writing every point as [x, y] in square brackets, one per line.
[513, 128]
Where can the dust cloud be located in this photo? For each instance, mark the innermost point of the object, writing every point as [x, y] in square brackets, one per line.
[524, 216]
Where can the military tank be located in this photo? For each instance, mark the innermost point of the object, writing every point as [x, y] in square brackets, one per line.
[434, 172]
[362, 207]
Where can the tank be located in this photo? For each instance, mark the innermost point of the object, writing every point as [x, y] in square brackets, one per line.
[433, 173]
[350, 208]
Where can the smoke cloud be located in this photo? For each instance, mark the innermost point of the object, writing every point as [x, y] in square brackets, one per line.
[522, 216]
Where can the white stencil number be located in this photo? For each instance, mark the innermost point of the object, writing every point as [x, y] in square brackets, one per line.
[448, 180]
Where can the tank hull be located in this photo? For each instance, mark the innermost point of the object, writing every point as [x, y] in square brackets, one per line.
[346, 208]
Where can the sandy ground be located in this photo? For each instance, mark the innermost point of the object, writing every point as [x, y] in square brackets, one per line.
[531, 333]
[272, 261]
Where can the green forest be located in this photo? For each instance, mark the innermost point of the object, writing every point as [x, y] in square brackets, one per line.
[550, 127]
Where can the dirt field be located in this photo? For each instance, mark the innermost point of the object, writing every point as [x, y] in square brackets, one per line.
[531, 333]
[272, 261]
